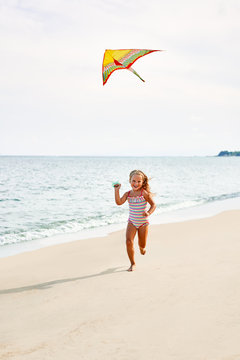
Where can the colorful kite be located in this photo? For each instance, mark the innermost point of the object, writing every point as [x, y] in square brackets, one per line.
[121, 59]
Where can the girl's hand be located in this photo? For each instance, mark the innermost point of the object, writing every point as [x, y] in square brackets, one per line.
[117, 186]
[145, 213]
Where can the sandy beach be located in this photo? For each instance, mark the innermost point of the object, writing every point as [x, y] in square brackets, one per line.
[77, 301]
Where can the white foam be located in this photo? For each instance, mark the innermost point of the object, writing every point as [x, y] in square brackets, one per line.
[196, 212]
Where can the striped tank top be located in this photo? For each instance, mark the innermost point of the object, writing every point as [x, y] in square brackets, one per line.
[137, 205]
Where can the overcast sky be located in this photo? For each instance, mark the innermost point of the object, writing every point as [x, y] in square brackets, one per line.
[52, 101]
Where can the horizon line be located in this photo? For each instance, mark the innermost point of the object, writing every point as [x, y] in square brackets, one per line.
[28, 155]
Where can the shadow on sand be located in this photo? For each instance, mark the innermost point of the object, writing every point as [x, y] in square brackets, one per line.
[49, 284]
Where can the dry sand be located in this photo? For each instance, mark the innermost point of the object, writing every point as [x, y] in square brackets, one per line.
[77, 301]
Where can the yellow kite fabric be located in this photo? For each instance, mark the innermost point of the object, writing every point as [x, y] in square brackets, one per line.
[121, 59]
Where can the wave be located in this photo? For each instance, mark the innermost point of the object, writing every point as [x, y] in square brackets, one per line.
[50, 229]
[174, 206]
[2, 200]
[58, 228]
[222, 197]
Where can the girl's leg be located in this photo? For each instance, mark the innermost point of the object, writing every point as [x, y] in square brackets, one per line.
[130, 234]
[142, 238]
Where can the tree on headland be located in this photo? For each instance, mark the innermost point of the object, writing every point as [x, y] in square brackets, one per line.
[229, 153]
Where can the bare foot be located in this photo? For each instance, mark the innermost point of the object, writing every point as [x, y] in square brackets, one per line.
[142, 250]
[132, 267]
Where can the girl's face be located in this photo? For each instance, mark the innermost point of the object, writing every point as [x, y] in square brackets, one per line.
[136, 182]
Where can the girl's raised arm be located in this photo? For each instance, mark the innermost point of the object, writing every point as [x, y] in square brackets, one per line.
[119, 200]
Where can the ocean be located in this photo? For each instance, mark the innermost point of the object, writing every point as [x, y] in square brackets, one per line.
[45, 198]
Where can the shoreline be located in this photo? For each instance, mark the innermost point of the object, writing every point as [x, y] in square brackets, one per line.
[76, 300]
[174, 216]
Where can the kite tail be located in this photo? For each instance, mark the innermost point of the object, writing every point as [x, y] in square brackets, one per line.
[134, 72]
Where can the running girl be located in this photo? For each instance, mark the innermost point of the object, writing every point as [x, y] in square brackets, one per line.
[138, 222]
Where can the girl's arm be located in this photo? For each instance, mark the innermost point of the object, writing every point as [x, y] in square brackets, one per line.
[152, 204]
[119, 200]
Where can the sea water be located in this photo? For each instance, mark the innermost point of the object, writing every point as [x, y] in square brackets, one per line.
[46, 197]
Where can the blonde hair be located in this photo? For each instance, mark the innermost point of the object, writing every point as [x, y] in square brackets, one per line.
[145, 184]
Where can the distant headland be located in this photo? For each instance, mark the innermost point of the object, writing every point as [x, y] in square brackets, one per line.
[229, 153]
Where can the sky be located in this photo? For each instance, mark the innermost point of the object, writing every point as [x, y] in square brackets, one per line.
[52, 101]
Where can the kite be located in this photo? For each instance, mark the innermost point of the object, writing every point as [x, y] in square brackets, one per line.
[121, 59]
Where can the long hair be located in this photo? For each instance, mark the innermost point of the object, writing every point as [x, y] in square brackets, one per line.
[145, 184]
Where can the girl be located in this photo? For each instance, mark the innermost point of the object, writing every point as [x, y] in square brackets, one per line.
[138, 222]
